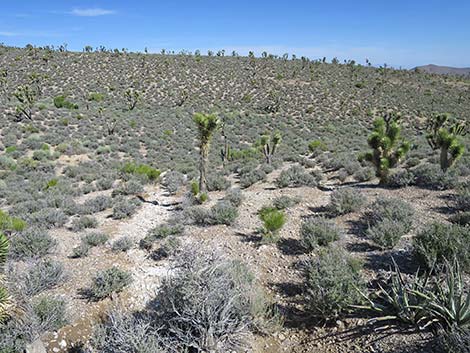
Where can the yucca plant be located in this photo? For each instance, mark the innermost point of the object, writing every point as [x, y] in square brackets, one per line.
[398, 302]
[6, 302]
[448, 303]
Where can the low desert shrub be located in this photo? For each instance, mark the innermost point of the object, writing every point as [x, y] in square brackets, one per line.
[431, 176]
[42, 276]
[223, 213]
[462, 197]
[81, 250]
[234, 197]
[462, 218]
[346, 200]
[284, 202]
[296, 176]
[439, 242]
[252, 177]
[131, 187]
[206, 285]
[97, 204]
[107, 282]
[331, 283]
[173, 181]
[122, 244]
[217, 183]
[50, 313]
[124, 208]
[318, 231]
[389, 219]
[84, 222]
[95, 238]
[31, 243]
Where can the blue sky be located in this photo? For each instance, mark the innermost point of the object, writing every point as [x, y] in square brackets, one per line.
[396, 32]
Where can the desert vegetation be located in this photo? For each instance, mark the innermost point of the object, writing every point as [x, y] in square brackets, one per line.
[181, 202]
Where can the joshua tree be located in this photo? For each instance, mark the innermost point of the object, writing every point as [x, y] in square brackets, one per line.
[388, 147]
[26, 99]
[132, 97]
[269, 144]
[207, 124]
[225, 151]
[441, 135]
[111, 121]
[5, 299]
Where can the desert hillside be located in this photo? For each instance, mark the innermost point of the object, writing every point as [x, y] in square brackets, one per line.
[328, 193]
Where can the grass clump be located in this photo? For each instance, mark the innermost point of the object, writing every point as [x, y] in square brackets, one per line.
[122, 244]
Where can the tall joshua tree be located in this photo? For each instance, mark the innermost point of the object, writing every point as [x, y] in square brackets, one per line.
[269, 144]
[445, 137]
[206, 124]
[5, 299]
[388, 147]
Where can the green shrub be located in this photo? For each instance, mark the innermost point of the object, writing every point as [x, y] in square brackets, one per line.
[438, 242]
[11, 224]
[315, 147]
[332, 280]
[318, 231]
[107, 282]
[141, 169]
[346, 200]
[61, 102]
[273, 220]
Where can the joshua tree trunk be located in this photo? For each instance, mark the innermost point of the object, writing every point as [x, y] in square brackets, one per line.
[204, 152]
[444, 160]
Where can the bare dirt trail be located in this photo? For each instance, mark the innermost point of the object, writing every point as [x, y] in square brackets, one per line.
[146, 273]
